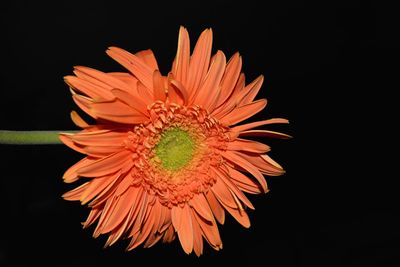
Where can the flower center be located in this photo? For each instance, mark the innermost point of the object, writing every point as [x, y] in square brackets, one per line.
[175, 148]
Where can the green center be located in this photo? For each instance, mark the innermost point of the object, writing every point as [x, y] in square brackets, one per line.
[175, 149]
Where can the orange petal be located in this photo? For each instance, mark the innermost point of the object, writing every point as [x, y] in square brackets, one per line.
[243, 182]
[197, 236]
[265, 133]
[93, 216]
[89, 89]
[230, 78]
[140, 214]
[99, 137]
[239, 160]
[177, 93]
[123, 119]
[67, 140]
[247, 145]
[271, 161]
[71, 174]
[84, 76]
[122, 229]
[117, 111]
[100, 78]
[112, 237]
[167, 220]
[239, 215]
[208, 93]
[251, 91]
[181, 66]
[101, 199]
[155, 236]
[223, 194]
[101, 151]
[210, 231]
[76, 193]
[145, 230]
[176, 217]
[200, 205]
[84, 103]
[243, 112]
[106, 165]
[232, 101]
[247, 126]
[125, 183]
[233, 188]
[169, 234]
[121, 210]
[116, 108]
[109, 206]
[159, 210]
[78, 120]
[216, 207]
[132, 101]
[152, 240]
[185, 231]
[158, 86]
[147, 56]
[125, 77]
[162, 218]
[144, 94]
[99, 186]
[263, 165]
[199, 62]
[136, 206]
[132, 63]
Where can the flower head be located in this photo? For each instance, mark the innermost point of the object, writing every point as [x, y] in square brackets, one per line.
[165, 158]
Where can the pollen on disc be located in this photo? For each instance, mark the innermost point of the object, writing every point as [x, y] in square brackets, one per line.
[175, 149]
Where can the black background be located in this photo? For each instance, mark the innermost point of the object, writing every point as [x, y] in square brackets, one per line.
[323, 67]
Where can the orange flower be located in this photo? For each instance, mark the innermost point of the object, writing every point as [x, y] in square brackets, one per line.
[164, 157]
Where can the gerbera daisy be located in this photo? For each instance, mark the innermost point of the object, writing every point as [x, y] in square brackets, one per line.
[165, 157]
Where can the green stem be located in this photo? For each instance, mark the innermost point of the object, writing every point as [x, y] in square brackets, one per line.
[30, 137]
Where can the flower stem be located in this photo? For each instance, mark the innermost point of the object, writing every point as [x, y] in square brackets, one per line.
[30, 137]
